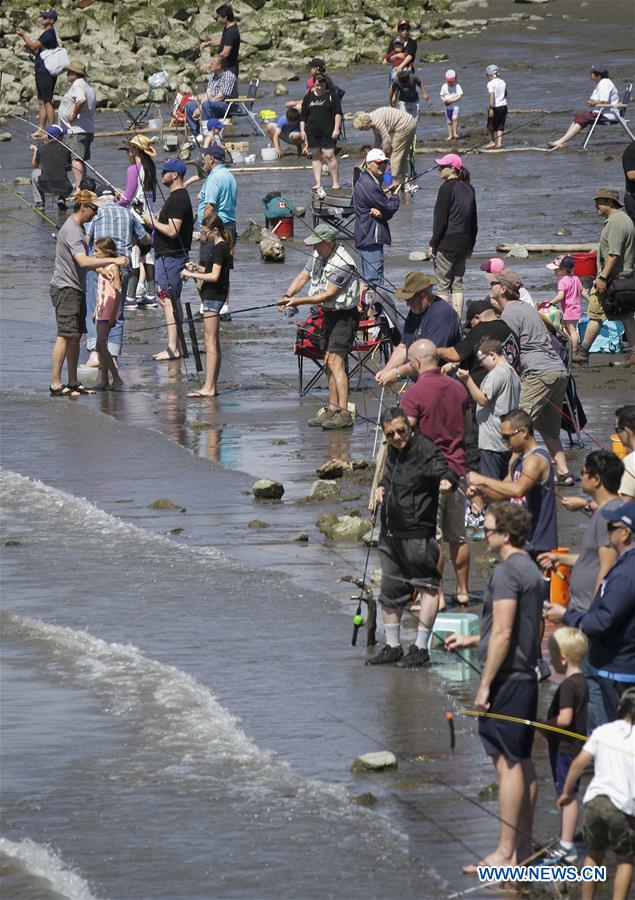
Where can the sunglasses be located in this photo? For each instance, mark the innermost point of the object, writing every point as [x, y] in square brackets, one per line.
[507, 437]
[91, 206]
[488, 531]
[397, 432]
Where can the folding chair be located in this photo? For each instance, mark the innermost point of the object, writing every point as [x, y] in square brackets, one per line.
[335, 209]
[372, 338]
[617, 118]
[243, 106]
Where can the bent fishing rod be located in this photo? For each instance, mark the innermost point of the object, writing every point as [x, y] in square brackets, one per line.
[30, 205]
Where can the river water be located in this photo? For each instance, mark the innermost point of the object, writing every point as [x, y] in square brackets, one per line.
[181, 701]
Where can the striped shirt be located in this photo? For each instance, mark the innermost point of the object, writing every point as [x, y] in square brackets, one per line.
[387, 120]
[119, 224]
[225, 83]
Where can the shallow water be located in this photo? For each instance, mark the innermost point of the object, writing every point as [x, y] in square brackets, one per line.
[181, 710]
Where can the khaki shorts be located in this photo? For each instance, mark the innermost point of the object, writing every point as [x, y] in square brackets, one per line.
[595, 310]
[70, 311]
[606, 826]
[451, 517]
[541, 397]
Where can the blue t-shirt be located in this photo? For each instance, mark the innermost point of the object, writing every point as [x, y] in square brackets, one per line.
[221, 190]
[438, 323]
[48, 39]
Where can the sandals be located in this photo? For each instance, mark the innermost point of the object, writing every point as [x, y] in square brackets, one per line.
[79, 388]
[566, 480]
[169, 355]
[61, 391]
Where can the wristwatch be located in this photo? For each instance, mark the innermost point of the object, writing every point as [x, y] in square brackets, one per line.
[601, 278]
[398, 372]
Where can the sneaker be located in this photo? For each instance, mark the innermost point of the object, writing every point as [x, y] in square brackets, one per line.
[542, 670]
[559, 855]
[130, 305]
[148, 303]
[386, 656]
[341, 419]
[321, 416]
[61, 204]
[38, 206]
[415, 658]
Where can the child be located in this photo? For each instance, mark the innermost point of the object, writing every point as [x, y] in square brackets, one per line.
[451, 93]
[609, 802]
[395, 56]
[107, 312]
[213, 283]
[567, 648]
[568, 297]
[496, 109]
[404, 92]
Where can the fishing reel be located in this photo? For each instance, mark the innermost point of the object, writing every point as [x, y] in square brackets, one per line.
[358, 622]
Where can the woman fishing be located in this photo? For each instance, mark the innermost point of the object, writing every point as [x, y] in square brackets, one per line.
[140, 192]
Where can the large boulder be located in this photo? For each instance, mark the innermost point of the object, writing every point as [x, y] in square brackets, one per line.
[277, 73]
[343, 528]
[267, 489]
[324, 490]
[260, 39]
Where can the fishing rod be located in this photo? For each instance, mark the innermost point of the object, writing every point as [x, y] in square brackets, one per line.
[37, 226]
[358, 619]
[31, 206]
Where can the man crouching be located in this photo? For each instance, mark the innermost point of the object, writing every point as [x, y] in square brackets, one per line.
[409, 495]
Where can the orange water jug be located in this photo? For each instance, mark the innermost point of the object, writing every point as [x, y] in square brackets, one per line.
[560, 579]
[618, 447]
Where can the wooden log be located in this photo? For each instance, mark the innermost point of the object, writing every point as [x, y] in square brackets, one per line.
[255, 169]
[550, 248]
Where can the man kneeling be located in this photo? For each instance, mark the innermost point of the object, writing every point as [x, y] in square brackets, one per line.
[409, 554]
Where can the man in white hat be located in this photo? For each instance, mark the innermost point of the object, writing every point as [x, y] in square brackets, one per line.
[374, 207]
[76, 114]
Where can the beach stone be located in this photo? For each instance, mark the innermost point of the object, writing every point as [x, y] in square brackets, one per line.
[266, 489]
[260, 39]
[277, 73]
[490, 792]
[324, 490]
[21, 180]
[374, 762]
[271, 249]
[365, 799]
[12, 542]
[563, 232]
[5, 135]
[417, 255]
[165, 504]
[280, 90]
[358, 464]
[301, 537]
[257, 523]
[174, 531]
[343, 528]
[251, 234]
[334, 468]
[434, 57]
[518, 251]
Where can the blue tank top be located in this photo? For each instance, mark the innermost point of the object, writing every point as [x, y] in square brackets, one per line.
[540, 502]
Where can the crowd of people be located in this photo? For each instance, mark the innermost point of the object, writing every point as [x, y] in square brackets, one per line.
[482, 380]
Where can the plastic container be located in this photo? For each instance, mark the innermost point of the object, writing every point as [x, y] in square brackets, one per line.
[238, 157]
[269, 154]
[460, 623]
[618, 447]
[282, 228]
[250, 159]
[155, 124]
[585, 265]
[559, 584]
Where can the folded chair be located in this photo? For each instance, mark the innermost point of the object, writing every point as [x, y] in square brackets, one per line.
[244, 106]
[616, 117]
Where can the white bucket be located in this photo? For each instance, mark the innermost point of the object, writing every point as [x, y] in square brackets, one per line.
[238, 157]
[251, 159]
[155, 124]
[269, 154]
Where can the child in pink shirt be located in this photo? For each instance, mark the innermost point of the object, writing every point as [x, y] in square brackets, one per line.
[107, 312]
[568, 297]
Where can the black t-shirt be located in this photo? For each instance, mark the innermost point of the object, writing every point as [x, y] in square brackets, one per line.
[497, 330]
[231, 38]
[573, 694]
[318, 113]
[177, 206]
[628, 162]
[220, 255]
[54, 159]
[407, 92]
[48, 39]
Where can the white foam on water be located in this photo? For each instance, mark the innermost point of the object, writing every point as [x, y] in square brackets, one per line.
[21, 494]
[41, 861]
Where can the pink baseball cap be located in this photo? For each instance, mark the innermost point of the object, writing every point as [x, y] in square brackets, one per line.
[450, 159]
[493, 265]
[376, 156]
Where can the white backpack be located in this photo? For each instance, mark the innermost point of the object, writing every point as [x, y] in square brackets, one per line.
[55, 60]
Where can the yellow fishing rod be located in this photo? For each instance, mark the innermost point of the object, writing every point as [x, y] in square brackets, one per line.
[519, 721]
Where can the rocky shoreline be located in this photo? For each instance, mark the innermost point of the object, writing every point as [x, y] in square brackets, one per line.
[123, 43]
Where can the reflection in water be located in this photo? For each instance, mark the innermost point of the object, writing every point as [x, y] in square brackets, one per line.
[212, 441]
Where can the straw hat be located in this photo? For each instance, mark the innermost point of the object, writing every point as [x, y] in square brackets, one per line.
[76, 66]
[141, 142]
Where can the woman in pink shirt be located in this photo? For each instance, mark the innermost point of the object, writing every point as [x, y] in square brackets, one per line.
[568, 297]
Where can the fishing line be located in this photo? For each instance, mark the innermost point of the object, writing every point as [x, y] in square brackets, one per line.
[31, 206]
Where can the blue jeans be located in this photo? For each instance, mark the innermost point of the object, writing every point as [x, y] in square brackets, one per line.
[115, 338]
[372, 263]
[596, 711]
[209, 110]
[167, 276]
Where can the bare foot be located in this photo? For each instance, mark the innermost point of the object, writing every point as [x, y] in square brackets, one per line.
[491, 860]
[92, 362]
[489, 146]
[117, 385]
[202, 395]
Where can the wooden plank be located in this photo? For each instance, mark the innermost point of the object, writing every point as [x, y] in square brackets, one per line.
[549, 248]
[255, 169]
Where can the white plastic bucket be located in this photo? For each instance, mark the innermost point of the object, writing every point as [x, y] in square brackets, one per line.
[268, 154]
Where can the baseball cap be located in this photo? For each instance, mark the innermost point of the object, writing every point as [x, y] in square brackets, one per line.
[105, 190]
[55, 131]
[493, 265]
[174, 165]
[450, 75]
[561, 262]
[491, 70]
[450, 159]
[49, 14]
[215, 123]
[624, 514]
[215, 151]
[476, 308]
[507, 278]
[323, 232]
[399, 41]
[376, 156]
[414, 283]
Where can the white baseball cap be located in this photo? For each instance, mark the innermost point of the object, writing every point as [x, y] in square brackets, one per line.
[450, 75]
[376, 156]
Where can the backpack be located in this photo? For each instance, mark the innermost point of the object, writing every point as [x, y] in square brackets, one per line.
[55, 60]
[308, 336]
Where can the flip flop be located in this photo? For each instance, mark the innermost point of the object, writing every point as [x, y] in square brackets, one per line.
[170, 354]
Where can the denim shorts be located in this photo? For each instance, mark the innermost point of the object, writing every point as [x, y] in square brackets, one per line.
[212, 305]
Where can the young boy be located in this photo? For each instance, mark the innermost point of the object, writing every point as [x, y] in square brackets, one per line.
[496, 109]
[287, 129]
[404, 92]
[567, 647]
[451, 92]
[609, 802]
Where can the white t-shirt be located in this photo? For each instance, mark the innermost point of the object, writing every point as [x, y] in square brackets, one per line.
[456, 91]
[498, 87]
[627, 484]
[605, 92]
[612, 747]
[80, 89]
[525, 296]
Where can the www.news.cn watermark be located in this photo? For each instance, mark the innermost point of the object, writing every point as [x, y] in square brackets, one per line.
[488, 874]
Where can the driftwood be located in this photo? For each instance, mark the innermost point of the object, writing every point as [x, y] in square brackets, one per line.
[550, 248]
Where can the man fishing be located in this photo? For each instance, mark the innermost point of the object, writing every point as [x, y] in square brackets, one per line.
[416, 472]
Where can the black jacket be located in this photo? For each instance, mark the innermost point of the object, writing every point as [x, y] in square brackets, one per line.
[455, 221]
[411, 488]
